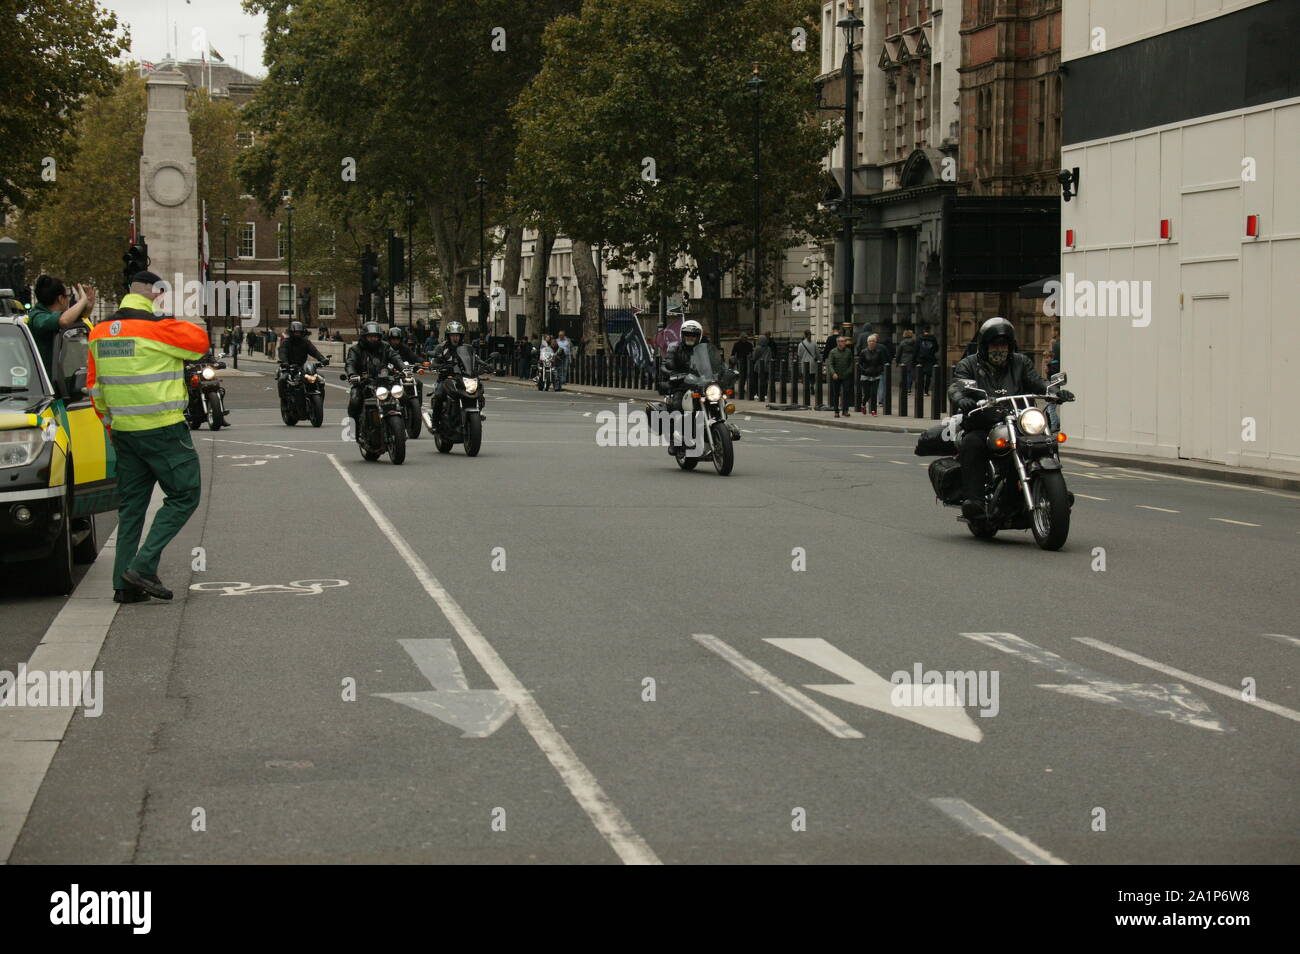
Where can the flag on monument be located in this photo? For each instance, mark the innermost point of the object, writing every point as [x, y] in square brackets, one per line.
[212, 52]
[147, 67]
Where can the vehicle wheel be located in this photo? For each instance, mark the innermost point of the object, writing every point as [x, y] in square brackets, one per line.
[216, 419]
[396, 439]
[193, 422]
[1051, 517]
[316, 410]
[684, 462]
[540, 385]
[444, 446]
[88, 548]
[982, 529]
[473, 435]
[724, 456]
[286, 416]
[413, 422]
[55, 571]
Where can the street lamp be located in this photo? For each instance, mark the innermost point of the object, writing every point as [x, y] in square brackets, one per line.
[482, 301]
[849, 25]
[410, 277]
[225, 277]
[293, 297]
[755, 84]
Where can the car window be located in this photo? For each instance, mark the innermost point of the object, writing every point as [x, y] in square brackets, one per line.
[18, 361]
[74, 352]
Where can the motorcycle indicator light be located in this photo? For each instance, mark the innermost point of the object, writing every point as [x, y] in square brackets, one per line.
[194, 379]
[731, 409]
[1000, 443]
[730, 392]
[695, 394]
[1060, 437]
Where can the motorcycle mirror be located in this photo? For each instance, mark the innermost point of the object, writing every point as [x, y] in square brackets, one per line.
[1058, 378]
[343, 377]
[221, 365]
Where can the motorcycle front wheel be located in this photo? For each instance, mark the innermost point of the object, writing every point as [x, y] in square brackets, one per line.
[1051, 517]
[413, 422]
[473, 435]
[724, 455]
[216, 415]
[285, 416]
[395, 439]
[316, 410]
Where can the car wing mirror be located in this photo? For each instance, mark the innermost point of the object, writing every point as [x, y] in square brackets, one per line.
[1057, 379]
[79, 382]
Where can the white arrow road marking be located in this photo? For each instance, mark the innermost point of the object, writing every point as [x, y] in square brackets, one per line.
[1290, 640]
[1171, 701]
[818, 713]
[871, 691]
[476, 712]
[1194, 680]
[967, 814]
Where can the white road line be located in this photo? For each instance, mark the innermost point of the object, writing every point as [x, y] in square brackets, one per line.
[604, 814]
[1161, 509]
[1219, 483]
[1089, 497]
[1221, 689]
[1239, 523]
[1018, 845]
[864, 455]
[903, 462]
[1291, 640]
[784, 691]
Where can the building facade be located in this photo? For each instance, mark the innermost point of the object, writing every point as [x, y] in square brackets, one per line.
[1182, 247]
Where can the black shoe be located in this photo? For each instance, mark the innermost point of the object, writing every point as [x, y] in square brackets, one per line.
[972, 510]
[130, 595]
[150, 584]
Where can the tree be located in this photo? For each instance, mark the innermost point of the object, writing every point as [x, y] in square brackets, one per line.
[639, 131]
[358, 103]
[55, 55]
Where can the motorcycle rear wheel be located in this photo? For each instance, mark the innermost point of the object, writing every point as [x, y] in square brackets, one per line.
[684, 462]
[982, 529]
[1051, 516]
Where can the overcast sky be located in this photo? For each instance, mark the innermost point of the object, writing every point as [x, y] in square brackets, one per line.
[161, 25]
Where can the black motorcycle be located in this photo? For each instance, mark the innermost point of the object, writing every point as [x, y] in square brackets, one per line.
[381, 429]
[411, 398]
[1024, 488]
[304, 393]
[702, 429]
[207, 396]
[461, 418]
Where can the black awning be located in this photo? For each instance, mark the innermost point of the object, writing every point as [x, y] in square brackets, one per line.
[1035, 289]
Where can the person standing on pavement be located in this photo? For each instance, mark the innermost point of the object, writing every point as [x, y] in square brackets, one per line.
[762, 366]
[871, 361]
[807, 356]
[740, 352]
[907, 359]
[927, 356]
[563, 351]
[839, 365]
[52, 313]
[136, 379]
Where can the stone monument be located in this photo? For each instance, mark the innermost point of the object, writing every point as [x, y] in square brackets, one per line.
[169, 197]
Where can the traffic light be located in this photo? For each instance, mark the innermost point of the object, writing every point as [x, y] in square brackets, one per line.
[396, 251]
[369, 278]
[135, 260]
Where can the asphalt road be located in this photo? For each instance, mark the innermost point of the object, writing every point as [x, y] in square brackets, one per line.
[651, 635]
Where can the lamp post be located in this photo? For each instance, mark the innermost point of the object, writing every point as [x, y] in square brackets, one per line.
[755, 84]
[225, 278]
[849, 25]
[482, 301]
[293, 297]
[410, 275]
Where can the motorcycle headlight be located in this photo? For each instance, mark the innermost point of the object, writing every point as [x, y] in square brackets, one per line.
[713, 393]
[471, 385]
[1032, 421]
[381, 392]
[398, 390]
[19, 447]
[209, 374]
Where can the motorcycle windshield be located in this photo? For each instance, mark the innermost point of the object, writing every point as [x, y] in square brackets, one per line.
[706, 363]
[465, 358]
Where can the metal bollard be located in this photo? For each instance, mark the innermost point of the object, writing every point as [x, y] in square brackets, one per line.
[888, 389]
[820, 402]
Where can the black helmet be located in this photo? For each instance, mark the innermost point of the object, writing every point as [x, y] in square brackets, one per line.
[395, 333]
[368, 329]
[992, 330]
[297, 328]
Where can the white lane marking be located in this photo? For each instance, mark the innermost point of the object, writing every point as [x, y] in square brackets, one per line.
[1021, 847]
[1171, 701]
[903, 462]
[789, 694]
[1291, 640]
[604, 814]
[1160, 509]
[1223, 484]
[1090, 497]
[863, 455]
[226, 440]
[1221, 689]
[1239, 523]
[872, 691]
[476, 712]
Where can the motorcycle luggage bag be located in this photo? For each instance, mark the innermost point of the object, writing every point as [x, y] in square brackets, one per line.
[945, 477]
[931, 443]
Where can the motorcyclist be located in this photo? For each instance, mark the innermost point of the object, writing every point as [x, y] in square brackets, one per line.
[295, 349]
[676, 364]
[997, 368]
[397, 341]
[445, 360]
[365, 359]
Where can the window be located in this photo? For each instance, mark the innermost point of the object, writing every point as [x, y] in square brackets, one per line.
[325, 305]
[1042, 120]
[247, 240]
[286, 301]
[244, 138]
[280, 243]
[247, 299]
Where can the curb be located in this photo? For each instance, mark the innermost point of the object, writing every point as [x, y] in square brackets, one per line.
[1157, 465]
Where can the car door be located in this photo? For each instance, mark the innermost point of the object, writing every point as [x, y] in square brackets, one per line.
[94, 463]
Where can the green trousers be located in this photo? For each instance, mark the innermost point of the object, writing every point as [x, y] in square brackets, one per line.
[163, 456]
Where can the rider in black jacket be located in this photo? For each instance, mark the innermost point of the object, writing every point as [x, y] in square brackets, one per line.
[295, 349]
[444, 360]
[998, 369]
[676, 364]
[397, 341]
[365, 359]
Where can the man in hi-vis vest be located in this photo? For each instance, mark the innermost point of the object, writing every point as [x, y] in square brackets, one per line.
[136, 378]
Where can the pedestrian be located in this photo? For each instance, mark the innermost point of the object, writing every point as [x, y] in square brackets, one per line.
[524, 358]
[907, 359]
[55, 311]
[136, 378]
[740, 352]
[762, 362]
[927, 356]
[831, 341]
[871, 364]
[807, 355]
[562, 353]
[839, 365]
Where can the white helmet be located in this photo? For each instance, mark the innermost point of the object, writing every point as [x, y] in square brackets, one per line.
[691, 327]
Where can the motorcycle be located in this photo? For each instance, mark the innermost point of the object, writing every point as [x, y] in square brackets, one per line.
[411, 398]
[546, 371]
[207, 397]
[1024, 487]
[381, 429]
[703, 429]
[304, 393]
[461, 418]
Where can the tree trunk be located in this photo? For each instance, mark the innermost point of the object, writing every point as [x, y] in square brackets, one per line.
[584, 269]
[537, 282]
[514, 259]
[448, 247]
